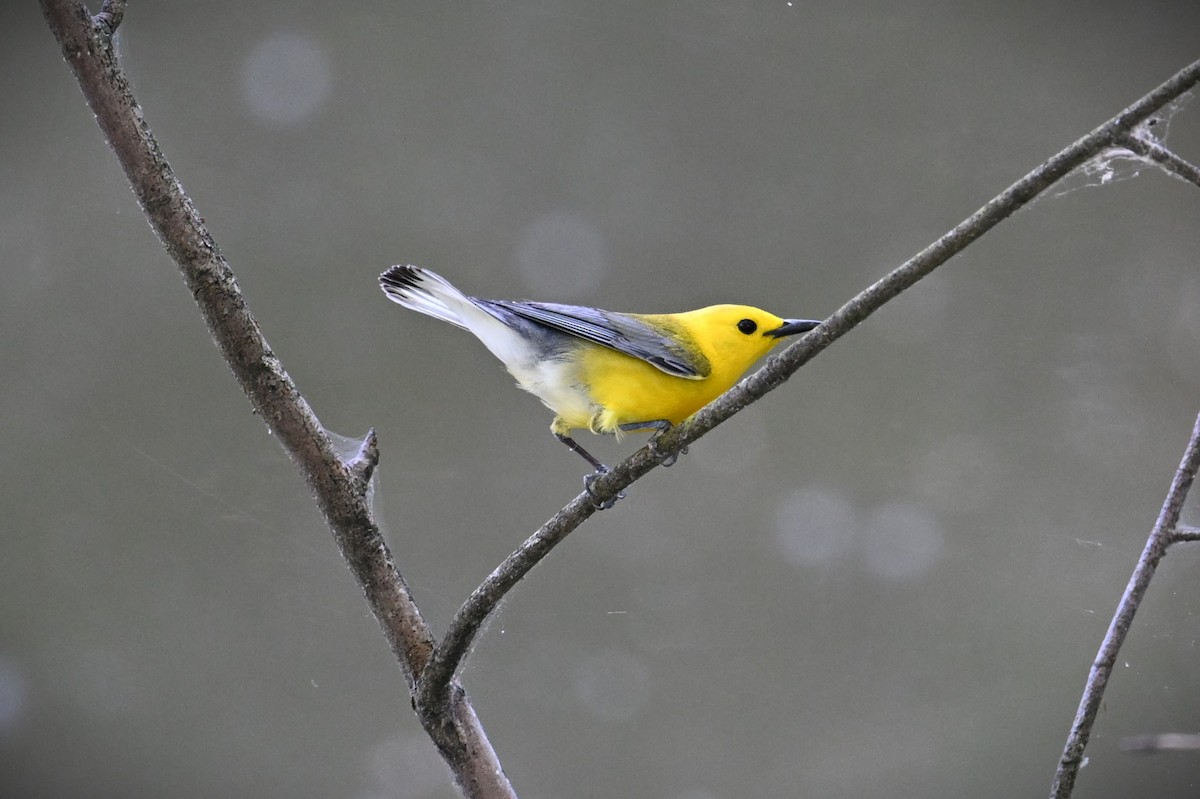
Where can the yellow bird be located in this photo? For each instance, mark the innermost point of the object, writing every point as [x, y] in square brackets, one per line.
[604, 371]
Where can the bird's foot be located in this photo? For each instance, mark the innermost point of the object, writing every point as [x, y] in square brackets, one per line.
[667, 460]
[597, 503]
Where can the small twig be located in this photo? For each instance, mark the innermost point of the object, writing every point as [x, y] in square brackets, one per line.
[1168, 160]
[1156, 546]
[467, 621]
[1185, 532]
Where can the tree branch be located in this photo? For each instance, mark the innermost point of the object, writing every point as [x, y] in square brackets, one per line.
[447, 658]
[1154, 152]
[1161, 537]
[339, 487]
[1185, 533]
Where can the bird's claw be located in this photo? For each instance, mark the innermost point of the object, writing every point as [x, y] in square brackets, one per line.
[668, 460]
[598, 504]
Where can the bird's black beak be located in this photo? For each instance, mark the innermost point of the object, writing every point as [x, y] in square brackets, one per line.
[791, 327]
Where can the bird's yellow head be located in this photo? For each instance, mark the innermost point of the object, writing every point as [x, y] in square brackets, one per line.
[732, 337]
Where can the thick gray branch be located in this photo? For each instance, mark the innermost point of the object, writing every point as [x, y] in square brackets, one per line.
[339, 487]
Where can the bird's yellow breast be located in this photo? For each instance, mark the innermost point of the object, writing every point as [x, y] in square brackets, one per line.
[625, 390]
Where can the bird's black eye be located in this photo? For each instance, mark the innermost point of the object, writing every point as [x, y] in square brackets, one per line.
[747, 326]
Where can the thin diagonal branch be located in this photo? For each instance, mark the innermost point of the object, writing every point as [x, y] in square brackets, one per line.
[468, 620]
[339, 487]
[1156, 546]
[1168, 160]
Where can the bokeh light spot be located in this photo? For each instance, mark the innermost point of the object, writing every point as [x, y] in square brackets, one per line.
[285, 78]
[814, 525]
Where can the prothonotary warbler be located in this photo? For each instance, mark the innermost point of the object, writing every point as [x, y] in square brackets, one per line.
[604, 371]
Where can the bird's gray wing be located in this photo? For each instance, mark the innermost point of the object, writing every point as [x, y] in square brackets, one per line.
[618, 331]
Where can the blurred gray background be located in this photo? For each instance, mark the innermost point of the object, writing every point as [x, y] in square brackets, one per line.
[887, 579]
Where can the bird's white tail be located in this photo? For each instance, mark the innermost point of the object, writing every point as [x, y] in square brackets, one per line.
[428, 293]
[433, 295]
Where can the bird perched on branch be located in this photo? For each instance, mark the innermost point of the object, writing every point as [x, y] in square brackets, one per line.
[604, 371]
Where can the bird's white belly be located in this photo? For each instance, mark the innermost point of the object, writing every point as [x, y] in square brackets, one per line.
[556, 383]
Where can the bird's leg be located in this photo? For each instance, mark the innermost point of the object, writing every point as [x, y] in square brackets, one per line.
[660, 426]
[573, 445]
[600, 468]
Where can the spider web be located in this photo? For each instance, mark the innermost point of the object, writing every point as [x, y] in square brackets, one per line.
[1116, 164]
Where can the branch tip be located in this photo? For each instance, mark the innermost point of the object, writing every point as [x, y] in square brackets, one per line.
[363, 464]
